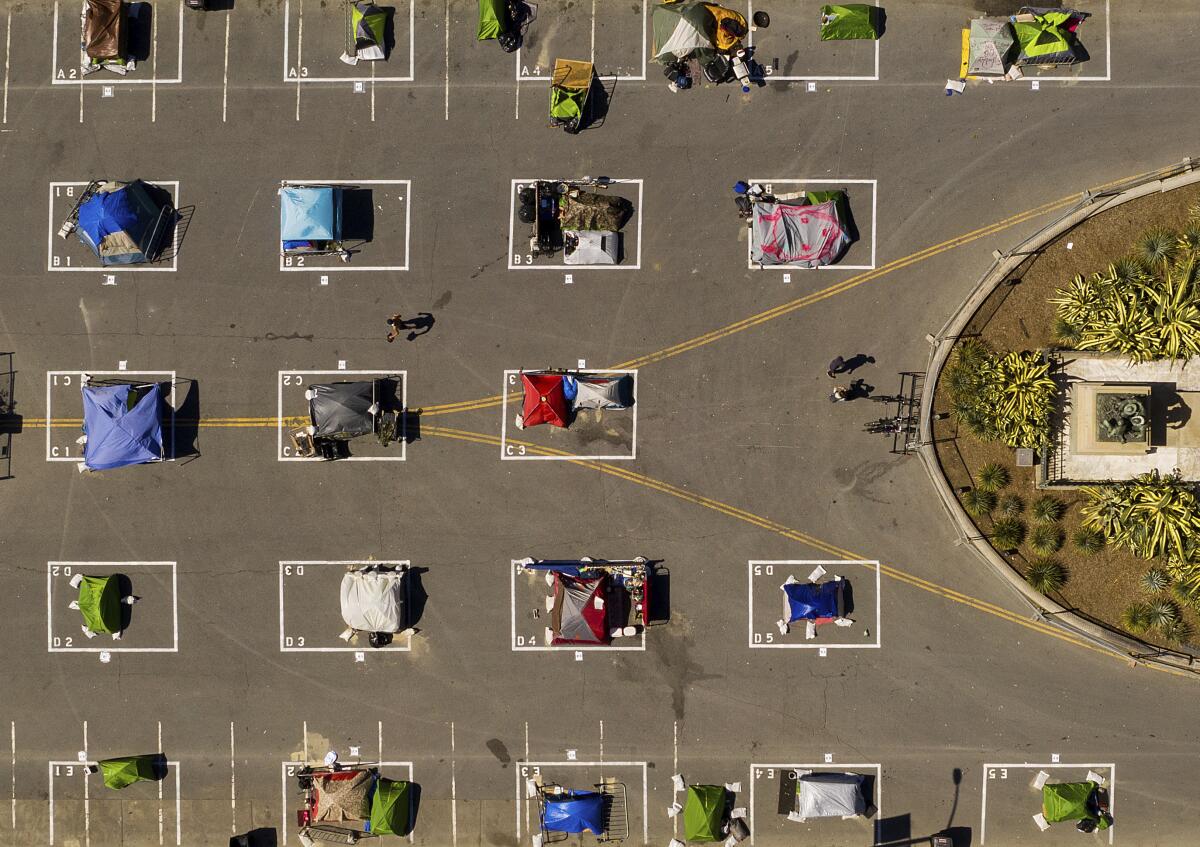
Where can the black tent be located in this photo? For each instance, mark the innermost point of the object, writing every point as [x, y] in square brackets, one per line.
[343, 409]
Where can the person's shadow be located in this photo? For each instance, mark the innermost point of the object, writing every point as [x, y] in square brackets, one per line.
[859, 388]
[857, 361]
[419, 325]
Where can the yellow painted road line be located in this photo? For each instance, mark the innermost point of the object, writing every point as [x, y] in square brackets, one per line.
[785, 531]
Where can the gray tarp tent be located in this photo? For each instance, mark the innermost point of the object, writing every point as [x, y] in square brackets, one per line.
[830, 795]
[991, 46]
[373, 600]
[591, 247]
[797, 233]
[597, 392]
[342, 409]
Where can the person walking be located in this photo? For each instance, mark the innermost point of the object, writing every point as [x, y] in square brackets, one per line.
[395, 324]
[840, 394]
[836, 367]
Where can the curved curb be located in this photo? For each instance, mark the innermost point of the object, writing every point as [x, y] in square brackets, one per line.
[1091, 203]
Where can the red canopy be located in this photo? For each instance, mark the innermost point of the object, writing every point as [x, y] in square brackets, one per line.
[545, 401]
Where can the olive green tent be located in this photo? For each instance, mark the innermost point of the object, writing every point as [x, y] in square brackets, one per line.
[100, 603]
[368, 29]
[1068, 801]
[119, 773]
[849, 22]
[1046, 40]
[491, 19]
[391, 807]
[704, 813]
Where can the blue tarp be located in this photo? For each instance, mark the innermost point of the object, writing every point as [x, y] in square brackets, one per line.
[310, 214]
[808, 601]
[117, 435]
[119, 226]
[574, 811]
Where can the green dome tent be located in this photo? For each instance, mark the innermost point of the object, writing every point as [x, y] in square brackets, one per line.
[704, 813]
[100, 603]
[491, 20]
[125, 771]
[1070, 801]
[391, 807]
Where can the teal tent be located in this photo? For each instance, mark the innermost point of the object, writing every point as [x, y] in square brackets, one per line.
[100, 603]
[125, 771]
[391, 807]
[849, 22]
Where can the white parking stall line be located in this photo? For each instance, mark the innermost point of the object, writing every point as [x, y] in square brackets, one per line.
[7, 53]
[766, 568]
[59, 78]
[816, 77]
[346, 268]
[989, 769]
[154, 98]
[225, 78]
[232, 783]
[56, 569]
[57, 190]
[401, 435]
[288, 771]
[52, 379]
[296, 643]
[515, 453]
[641, 77]
[757, 769]
[446, 108]
[12, 744]
[512, 251]
[836, 266]
[519, 644]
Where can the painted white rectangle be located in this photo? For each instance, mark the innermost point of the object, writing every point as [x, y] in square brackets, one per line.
[804, 564]
[521, 77]
[769, 771]
[527, 769]
[75, 768]
[290, 642]
[295, 75]
[55, 453]
[995, 770]
[517, 452]
[68, 264]
[512, 216]
[296, 263]
[773, 77]
[68, 73]
[282, 451]
[525, 646]
[55, 570]
[289, 794]
[874, 183]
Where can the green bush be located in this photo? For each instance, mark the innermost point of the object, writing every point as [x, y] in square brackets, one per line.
[1157, 246]
[1089, 541]
[1177, 631]
[1045, 539]
[1162, 613]
[1151, 515]
[1048, 509]
[1156, 581]
[1068, 334]
[1136, 618]
[1007, 534]
[993, 477]
[1011, 506]
[979, 503]
[1001, 397]
[1046, 575]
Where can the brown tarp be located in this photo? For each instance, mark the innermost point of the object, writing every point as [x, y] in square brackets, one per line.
[589, 210]
[345, 796]
[105, 33]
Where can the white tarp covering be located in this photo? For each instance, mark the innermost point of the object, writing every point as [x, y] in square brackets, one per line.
[373, 600]
[591, 247]
[683, 41]
[830, 795]
[604, 393]
[798, 234]
[991, 44]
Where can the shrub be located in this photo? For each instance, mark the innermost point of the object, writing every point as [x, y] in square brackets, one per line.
[1177, 631]
[1046, 575]
[1067, 333]
[1162, 613]
[993, 477]
[1151, 515]
[1047, 509]
[1157, 246]
[979, 503]
[1011, 506]
[1046, 539]
[1186, 594]
[1007, 533]
[1002, 397]
[1156, 581]
[1136, 618]
[1089, 541]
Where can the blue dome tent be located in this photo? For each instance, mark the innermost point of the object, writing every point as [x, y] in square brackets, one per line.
[121, 223]
[122, 425]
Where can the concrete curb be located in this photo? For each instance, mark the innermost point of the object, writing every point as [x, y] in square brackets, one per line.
[1091, 203]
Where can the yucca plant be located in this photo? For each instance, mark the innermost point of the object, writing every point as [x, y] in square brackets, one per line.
[1089, 541]
[1079, 302]
[993, 476]
[1156, 581]
[1175, 310]
[1136, 618]
[1123, 326]
[1157, 246]
[972, 352]
[1007, 534]
[1129, 270]
[1045, 539]
[1162, 613]
[1067, 333]
[1177, 631]
[1151, 515]
[1046, 575]
[978, 502]
[1011, 506]
[1186, 594]
[1189, 236]
[1048, 509]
